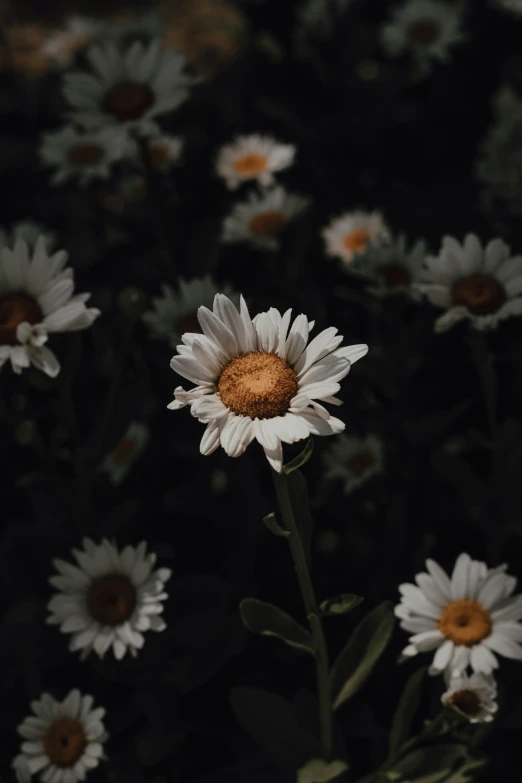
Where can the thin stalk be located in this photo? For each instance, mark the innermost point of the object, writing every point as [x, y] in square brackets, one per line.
[484, 363]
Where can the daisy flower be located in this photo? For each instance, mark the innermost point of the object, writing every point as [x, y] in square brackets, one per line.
[109, 599]
[258, 379]
[120, 460]
[127, 89]
[428, 29]
[263, 217]
[36, 299]
[21, 770]
[466, 619]
[164, 151]
[394, 268]
[28, 231]
[354, 233]
[176, 312]
[64, 44]
[472, 697]
[62, 740]
[353, 460]
[81, 155]
[253, 157]
[482, 285]
[515, 6]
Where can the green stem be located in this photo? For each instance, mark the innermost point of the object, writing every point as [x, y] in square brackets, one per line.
[312, 611]
[484, 363]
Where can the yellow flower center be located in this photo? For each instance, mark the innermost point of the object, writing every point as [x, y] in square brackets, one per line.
[124, 450]
[64, 742]
[466, 701]
[85, 154]
[465, 622]
[394, 275]
[361, 462]
[128, 100]
[251, 164]
[258, 384]
[481, 294]
[357, 240]
[424, 32]
[267, 224]
[188, 323]
[111, 599]
[14, 310]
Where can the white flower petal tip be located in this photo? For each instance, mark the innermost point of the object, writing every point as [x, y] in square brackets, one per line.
[131, 445]
[473, 698]
[320, 771]
[353, 234]
[251, 158]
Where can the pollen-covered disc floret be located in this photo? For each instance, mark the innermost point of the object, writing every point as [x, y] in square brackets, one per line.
[481, 285]
[62, 740]
[109, 599]
[472, 697]
[262, 218]
[260, 378]
[36, 299]
[351, 235]
[253, 157]
[80, 155]
[353, 461]
[466, 619]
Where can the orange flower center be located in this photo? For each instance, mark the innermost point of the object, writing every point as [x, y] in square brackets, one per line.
[124, 450]
[357, 240]
[267, 224]
[258, 384]
[85, 154]
[479, 293]
[424, 32]
[466, 701]
[251, 164]
[188, 323]
[14, 310]
[111, 599]
[128, 100]
[64, 742]
[465, 622]
[394, 275]
[361, 462]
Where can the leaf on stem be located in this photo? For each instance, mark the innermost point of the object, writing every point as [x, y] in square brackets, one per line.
[341, 604]
[406, 710]
[301, 458]
[268, 620]
[273, 525]
[443, 763]
[298, 492]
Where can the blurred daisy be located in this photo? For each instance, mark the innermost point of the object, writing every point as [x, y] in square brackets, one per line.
[62, 740]
[466, 619]
[64, 44]
[256, 379]
[316, 22]
[482, 285]
[175, 313]
[120, 460]
[353, 460]
[127, 89]
[263, 217]
[21, 770]
[109, 599]
[83, 156]
[253, 157]
[428, 29]
[394, 268]
[354, 233]
[165, 151]
[29, 232]
[515, 6]
[472, 697]
[36, 299]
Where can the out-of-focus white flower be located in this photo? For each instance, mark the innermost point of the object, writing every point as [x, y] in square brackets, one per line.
[473, 697]
[82, 155]
[29, 232]
[63, 44]
[253, 157]
[263, 217]
[353, 460]
[165, 151]
[393, 268]
[120, 460]
[320, 771]
[353, 233]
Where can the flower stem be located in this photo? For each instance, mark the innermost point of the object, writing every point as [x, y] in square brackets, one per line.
[484, 363]
[312, 611]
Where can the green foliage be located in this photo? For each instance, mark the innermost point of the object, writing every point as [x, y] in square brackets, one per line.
[273, 525]
[340, 604]
[268, 620]
[301, 458]
[406, 710]
[298, 492]
[448, 763]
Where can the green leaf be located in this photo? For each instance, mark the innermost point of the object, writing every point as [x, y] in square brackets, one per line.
[298, 492]
[361, 653]
[273, 525]
[275, 725]
[406, 711]
[341, 604]
[268, 620]
[301, 458]
[447, 763]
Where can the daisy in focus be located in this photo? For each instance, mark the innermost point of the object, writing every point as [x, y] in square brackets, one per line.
[109, 599]
[253, 157]
[176, 312]
[165, 152]
[29, 232]
[36, 299]
[353, 460]
[83, 156]
[263, 217]
[64, 44]
[472, 697]
[480, 285]
[120, 460]
[260, 378]
[466, 618]
[353, 233]
[62, 740]
[394, 267]
[427, 29]
[127, 89]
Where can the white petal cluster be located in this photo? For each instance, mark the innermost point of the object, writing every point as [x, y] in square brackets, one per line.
[473, 697]
[352, 234]
[393, 268]
[260, 219]
[266, 155]
[64, 43]
[29, 232]
[80, 155]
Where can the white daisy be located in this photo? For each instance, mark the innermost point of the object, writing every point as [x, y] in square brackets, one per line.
[515, 6]
[165, 151]
[428, 29]
[82, 155]
[482, 285]
[320, 771]
[262, 218]
[472, 697]
[36, 299]
[353, 460]
[393, 267]
[256, 379]
[29, 232]
[128, 89]
[253, 157]
[175, 313]
[109, 599]
[466, 619]
[21, 770]
[120, 460]
[62, 740]
[77, 33]
[354, 233]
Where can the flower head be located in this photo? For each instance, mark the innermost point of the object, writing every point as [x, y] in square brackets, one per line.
[62, 740]
[353, 234]
[83, 156]
[353, 460]
[263, 217]
[164, 151]
[466, 619]
[109, 599]
[472, 697]
[63, 44]
[253, 157]
[36, 299]
[259, 379]
[393, 268]
[29, 232]
[120, 460]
